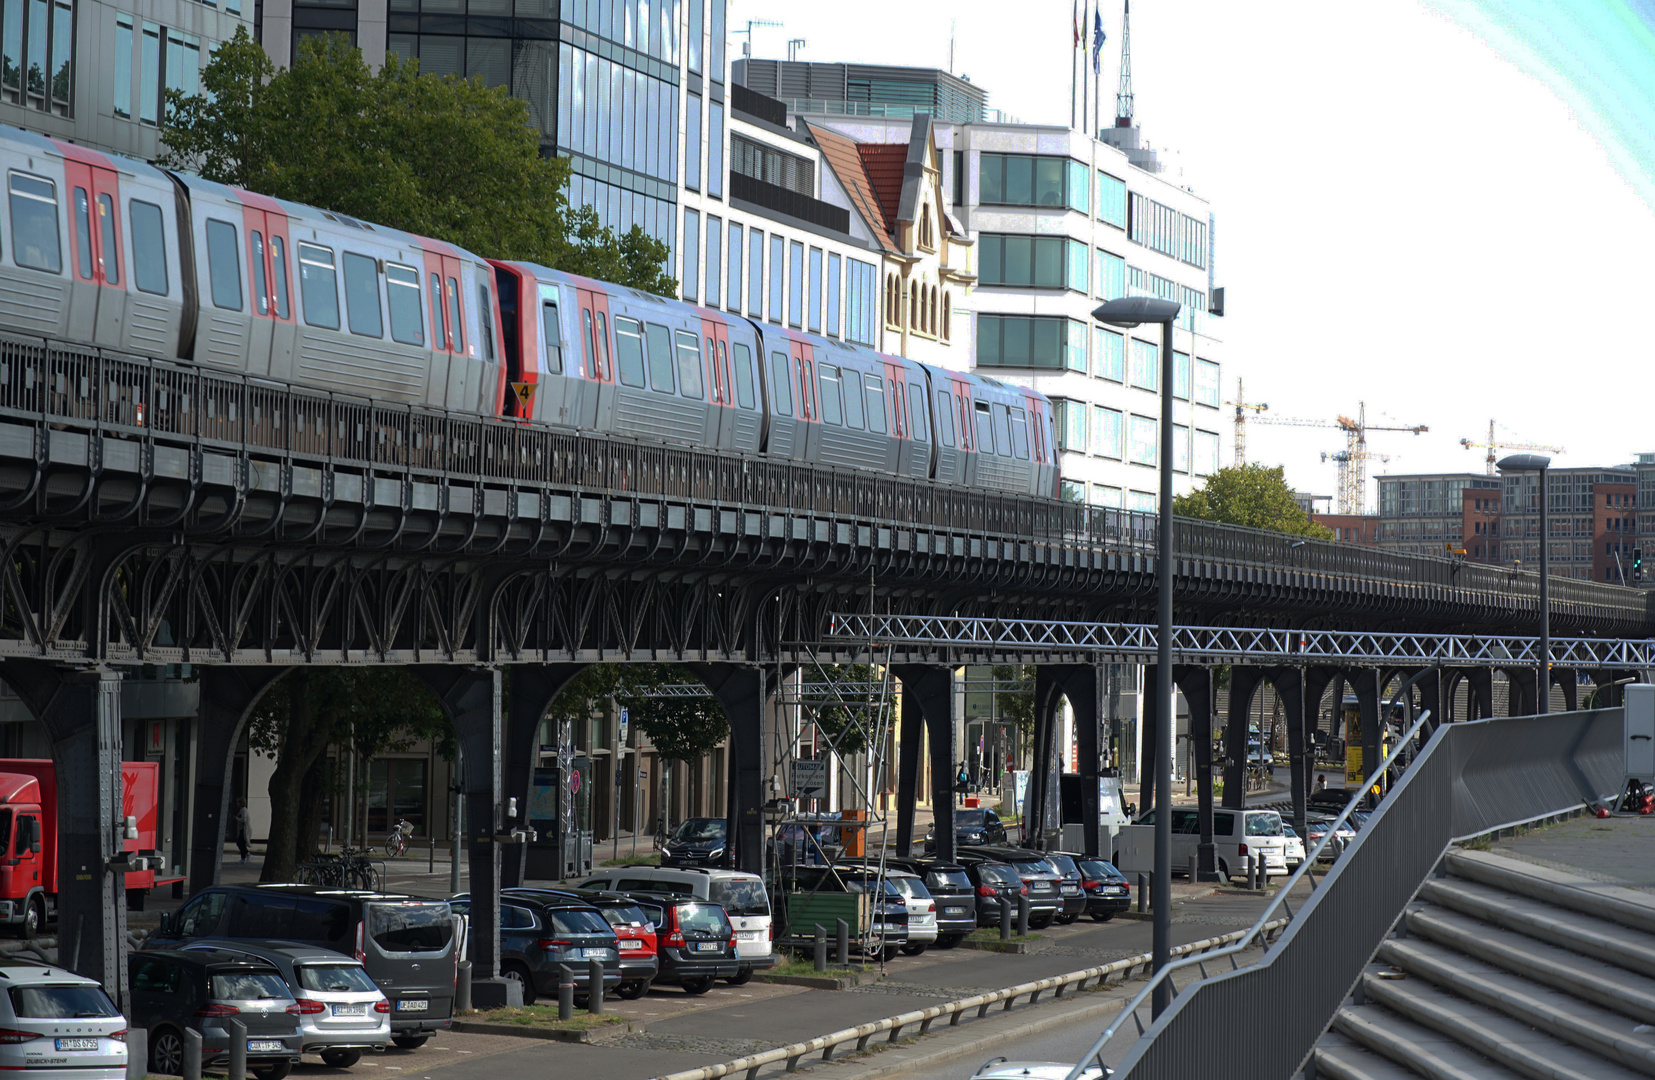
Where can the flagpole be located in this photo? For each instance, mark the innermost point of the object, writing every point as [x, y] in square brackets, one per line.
[1085, 69]
[1071, 69]
[1097, 81]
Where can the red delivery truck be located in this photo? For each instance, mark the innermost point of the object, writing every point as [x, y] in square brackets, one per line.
[28, 837]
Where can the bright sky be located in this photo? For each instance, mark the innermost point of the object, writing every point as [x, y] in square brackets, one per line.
[1413, 196]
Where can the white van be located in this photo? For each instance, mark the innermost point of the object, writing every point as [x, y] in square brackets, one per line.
[742, 896]
[1236, 835]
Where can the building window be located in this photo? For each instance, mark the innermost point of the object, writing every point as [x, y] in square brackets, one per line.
[396, 792]
[1022, 180]
[1146, 367]
[1106, 432]
[815, 316]
[1080, 188]
[715, 257]
[1206, 383]
[755, 273]
[692, 254]
[692, 142]
[1108, 355]
[1206, 453]
[766, 163]
[733, 298]
[1141, 502]
[1181, 376]
[795, 283]
[715, 149]
[1106, 496]
[1180, 448]
[1041, 262]
[1071, 424]
[1161, 228]
[1031, 341]
[778, 252]
[124, 45]
[1111, 276]
[1111, 200]
[149, 70]
[37, 49]
[861, 286]
[692, 41]
[947, 312]
[833, 294]
[1143, 440]
[1073, 491]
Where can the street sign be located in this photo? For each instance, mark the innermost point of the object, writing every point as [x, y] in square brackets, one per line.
[524, 392]
[574, 783]
[810, 779]
[620, 737]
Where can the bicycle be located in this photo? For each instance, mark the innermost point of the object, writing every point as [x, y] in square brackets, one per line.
[397, 842]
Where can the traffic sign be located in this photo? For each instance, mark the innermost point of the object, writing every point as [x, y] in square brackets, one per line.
[574, 782]
[524, 391]
[810, 779]
[620, 736]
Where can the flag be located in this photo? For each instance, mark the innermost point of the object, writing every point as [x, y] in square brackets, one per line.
[1097, 36]
[1079, 37]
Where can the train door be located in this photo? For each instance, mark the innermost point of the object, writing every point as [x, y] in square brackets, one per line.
[596, 391]
[272, 338]
[97, 304]
[558, 387]
[721, 421]
[896, 395]
[808, 445]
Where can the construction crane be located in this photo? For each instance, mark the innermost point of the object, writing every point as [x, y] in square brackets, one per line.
[1353, 459]
[1492, 445]
[1243, 406]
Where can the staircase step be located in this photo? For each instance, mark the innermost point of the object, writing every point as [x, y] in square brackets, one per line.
[1576, 931]
[1339, 1058]
[1614, 903]
[1605, 1036]
[1612, 987]
[1410, 1049]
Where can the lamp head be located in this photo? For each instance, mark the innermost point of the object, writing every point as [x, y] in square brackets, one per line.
[1523, 463]
[1130, 311]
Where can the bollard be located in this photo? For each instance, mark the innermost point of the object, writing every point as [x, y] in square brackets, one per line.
[1252, 872]
[192, 1054]
[1023, 914]
[137, 1053]
[821, 947]
[1192, 869]
[565, 992]
[841, 947]
[1005, 919]
[1143, 893]
[594, 986]
[238, 1049]
[462, 987]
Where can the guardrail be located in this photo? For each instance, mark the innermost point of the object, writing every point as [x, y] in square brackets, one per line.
[862, 1034]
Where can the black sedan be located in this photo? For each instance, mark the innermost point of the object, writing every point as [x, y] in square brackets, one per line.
[971, 826]
[1108, 893]
[698, 841]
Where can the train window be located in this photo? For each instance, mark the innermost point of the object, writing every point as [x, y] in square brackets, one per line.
[456, 324]
[485, 312]
[985, 429]
[318, 287]
[111, 247]
[660, 358]
[224, 264]
[149, 247]
[606, 366]
[781, 384]
[83, 234]
[689, 365]
[945, 418]
[553, 333]
[724, 371]
[278, 259]
[261, 292]
[34, 235]
[899, 418]
[402, 296]
[852, 383]
[438, 340]
[629, 351]
[916, 413]
[1002, 430]
[362, 296]
[1019, 434]
[875, 386]
[832, 402]
[744, 375]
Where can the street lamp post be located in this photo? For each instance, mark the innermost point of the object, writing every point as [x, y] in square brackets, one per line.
[1537, 463]
[1127, 312]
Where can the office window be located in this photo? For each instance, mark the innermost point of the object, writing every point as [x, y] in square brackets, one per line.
[1042, 262]
[149, 72]
[1143, 440]
[1146, 365]
[1106, 432]
[1181, 376]
[778, 255]
[692, 254]
[1072, 491]
[692, 41]
[1111, 201]
[1031, 341]
[733, 298]
[1164, 229]
[1111, 276]
[1206, 453]
[715, 40]
[37, 39]
[833, 294]
[1180, 448]
[763, 162]
[1141, 502]
[1071, 424]
[715, 147]
[815, 318]
[1108, 355]
[1022, 180]
[1106, 496]
[1075, 277]
[1206, 383]
[692, 142]
[795, 283]
[715, 256]
[183, 64]
[861, 301]
[1080, 188]
[123, 64]
[755, 273]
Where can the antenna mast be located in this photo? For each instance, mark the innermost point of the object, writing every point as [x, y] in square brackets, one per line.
[1123, 96]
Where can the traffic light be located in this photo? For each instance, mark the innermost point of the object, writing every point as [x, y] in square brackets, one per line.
[1637, 564]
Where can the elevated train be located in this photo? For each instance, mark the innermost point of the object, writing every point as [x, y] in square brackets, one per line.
[113, 253]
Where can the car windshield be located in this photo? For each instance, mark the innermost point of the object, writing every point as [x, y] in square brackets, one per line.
[249, 986]
[947, 879]
[998, 874]
[911, 887]
[969, 818]
[740, 896]
[1064, 865]
[703, 919]
[1264, 825]
[697, 830]
[61, 1002]
[335, 978]
[868, 884]
[1030, 867]
[624, 915]
[411, 927]
[579, 921]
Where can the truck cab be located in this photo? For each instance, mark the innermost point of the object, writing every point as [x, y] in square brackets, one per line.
[27, 876]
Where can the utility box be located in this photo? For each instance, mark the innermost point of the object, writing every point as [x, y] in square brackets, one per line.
[1639, 714]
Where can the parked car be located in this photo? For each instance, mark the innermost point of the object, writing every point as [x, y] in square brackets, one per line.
[1316, 826]
[742, 896]
[1108, 893]
[59, 1023]
[341, 1011]
[1003, 1069]
[922, 907]
[406, 943]
[1293, 849]
[540, 934]
[1038, 875]
[1237, 834]
[634, 934]
[697, 841]
[886, 930]
[695, 943]
[174, 990]
[971, 826]
[956, 897]
[1069, 886]
[997, 884]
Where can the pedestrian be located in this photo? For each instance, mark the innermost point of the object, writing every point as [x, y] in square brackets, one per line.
[1321, 781]
[243, 822]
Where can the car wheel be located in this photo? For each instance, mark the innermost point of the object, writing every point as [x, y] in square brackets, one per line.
[409, 1042]
[166, 1052]
[741, 978]
[276, 1070]
[1040, 923]
[915, 950]
[949, 941]
[519, 974]
[632, 991]
[1223, 871]
[1103, 916]
[341, 1059]
[696, 987]
[34, 917]
[889, 953]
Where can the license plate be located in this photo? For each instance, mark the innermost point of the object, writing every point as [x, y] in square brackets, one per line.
[413, 1005]
[630, 945]
[77, 1044]
[351, 1010]
[749, 935]
[594, 954]
[265, 1046]
[1117, 890]
[953, 911]
[1071, 890]
[707, 946]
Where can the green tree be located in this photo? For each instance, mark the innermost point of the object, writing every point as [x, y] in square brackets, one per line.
[1014, 696]
[1253, 495]
[847, 723]
[443, 157]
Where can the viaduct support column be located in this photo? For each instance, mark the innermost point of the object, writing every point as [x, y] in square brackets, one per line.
[1316, 680]
[1197, 686]
[1479, 698]
[533, 689]
[1079, 684]
[743, 691]
[228, 695]
[910, 749]
[1243, 683]
[1365, 682]
[1523, 699]
[1569, 682]
[1290, 687]
[931, 689]
[1149, 738]
[1431, 697]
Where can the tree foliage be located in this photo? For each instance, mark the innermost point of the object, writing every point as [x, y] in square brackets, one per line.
[1253, 495]
[443, 157]
[681, 728]
[848, 722]
[1014, 696]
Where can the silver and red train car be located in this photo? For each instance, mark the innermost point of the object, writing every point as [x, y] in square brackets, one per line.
[112, 253]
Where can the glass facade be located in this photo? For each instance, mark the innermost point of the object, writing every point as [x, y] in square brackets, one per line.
[1111, 201]
[755, 273]
[1143, 440]
[1040, 262]
[833, 295]
[1107, 432]
[1031, 341]
[1146, 365]
[1206, 383]
[37, 49]
[795, 284]
[692, 142]
[1025, 180]
[715, 258]
[1111, 276]
[1161, 228]
[692, 255]
[861, 301]
[778, 252]
[1108, 355]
